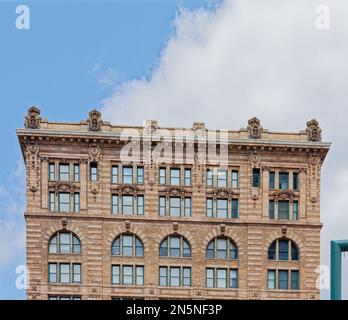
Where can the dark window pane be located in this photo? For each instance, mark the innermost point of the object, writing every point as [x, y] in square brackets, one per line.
[256, 178]
[283, 249]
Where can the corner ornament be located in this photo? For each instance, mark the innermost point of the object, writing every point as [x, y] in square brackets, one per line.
[94, 121]
[254, 128]
[33, 119]
[313, 130]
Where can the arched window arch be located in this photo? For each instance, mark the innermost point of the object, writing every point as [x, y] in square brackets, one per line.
[64, 242]
[222, 248]
[175, 246]
[283, 249]
[128, 245]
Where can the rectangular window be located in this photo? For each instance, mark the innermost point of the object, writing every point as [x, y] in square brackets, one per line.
[162, 176]
[76, 273]
[139, 275]
[127, 175]
[294, 279]
[272, 180]
[222, 179]
[64, 273]
[64, 201]
[93, 171]
[52, 273]
[186, 277]
[114, 204]
[163, 276]
[187, 207]
[188, 177]
[283, 210]
[221, 278]
[174, 177]
[234, 181]
[283, 281]
[76, 202]
[174, 247]
[52, 172]
[76, 172]
[221, 248]
[221, 208]
[127, 275]
[140, 205]
[127, 245]
[271, 279]
[127, 205]
[234, 208]
[283, 180]
[233, 278]
[271, 209]
[210, 278]
[174, 276]
[209, 178]
[295, 180]
[64, 242]
[256, 178]
[114, 174]
[209, 208]
[140, 175]
[52, 200]
[295, 210]
[283, 249]
[162, 206]
[115, 274]
[64, 172]
[174, 206]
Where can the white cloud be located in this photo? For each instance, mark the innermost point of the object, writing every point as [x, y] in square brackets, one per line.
[12, 227]
[247, 58]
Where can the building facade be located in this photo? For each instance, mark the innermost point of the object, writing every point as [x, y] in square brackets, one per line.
[119, 212]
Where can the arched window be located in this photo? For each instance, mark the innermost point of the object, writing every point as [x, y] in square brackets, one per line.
[175, 246]
[127, 245]
[221, 248]
[64, 242]
[283, 249]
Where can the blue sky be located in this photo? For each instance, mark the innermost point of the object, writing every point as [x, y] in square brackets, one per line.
[66, 64]
[140, 59]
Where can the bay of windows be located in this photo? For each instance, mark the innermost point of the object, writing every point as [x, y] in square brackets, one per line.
[221, 278]
[175, 246]
[64, 200]
[64, 242]
[130, 205]
[127, 275]
[221, 208]
[282, 279]
[64, 273]
[283, 212]
[175, 276]
[127, 245]
[221, 248]
[283, 249]
[177, 206]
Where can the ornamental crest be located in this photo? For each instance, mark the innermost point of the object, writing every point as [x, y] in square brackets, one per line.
[94, 121]
[313, 130]
[254, 128]
[33, 119]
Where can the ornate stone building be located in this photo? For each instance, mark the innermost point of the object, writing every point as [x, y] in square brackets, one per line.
[111, 214]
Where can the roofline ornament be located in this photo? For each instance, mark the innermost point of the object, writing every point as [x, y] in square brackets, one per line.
[254, 128]
[94, 121]
[33, 119]
[313, 130]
